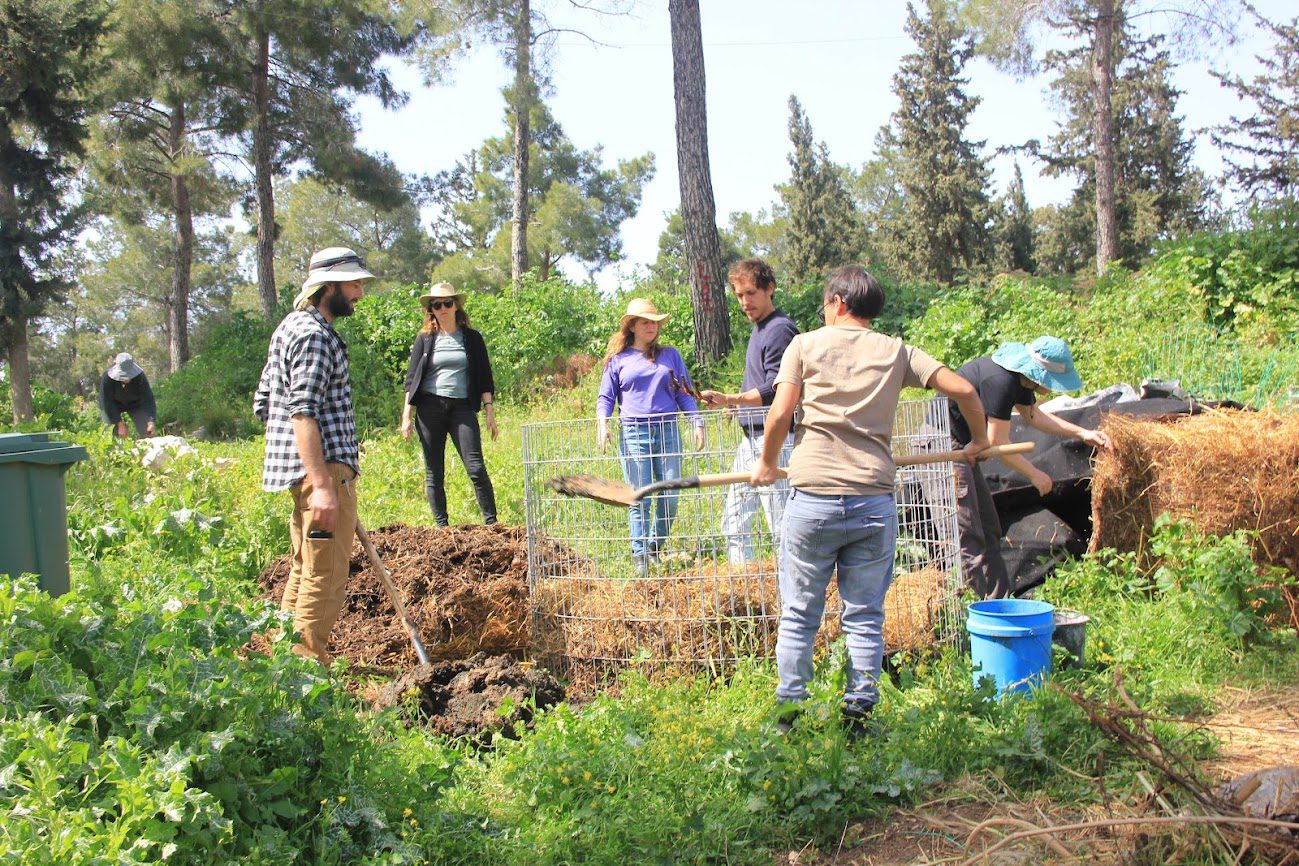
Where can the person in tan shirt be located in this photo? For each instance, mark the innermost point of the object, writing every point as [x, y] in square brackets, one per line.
[841, 514]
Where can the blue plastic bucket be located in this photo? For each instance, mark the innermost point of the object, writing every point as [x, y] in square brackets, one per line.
[1010, 640]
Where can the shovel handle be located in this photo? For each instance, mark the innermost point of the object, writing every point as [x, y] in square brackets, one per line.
[723, 478]
[364, 538]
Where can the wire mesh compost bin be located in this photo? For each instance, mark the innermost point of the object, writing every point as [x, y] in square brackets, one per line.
[707, 596]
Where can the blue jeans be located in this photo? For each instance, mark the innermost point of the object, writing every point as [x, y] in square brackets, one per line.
[651, 451]
[856, 534]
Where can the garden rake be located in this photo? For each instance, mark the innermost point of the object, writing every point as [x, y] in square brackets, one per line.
[364, 538]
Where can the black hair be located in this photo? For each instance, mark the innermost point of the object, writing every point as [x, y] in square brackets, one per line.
[860, 292]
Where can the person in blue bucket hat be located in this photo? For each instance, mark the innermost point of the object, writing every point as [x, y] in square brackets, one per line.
[1009, 380]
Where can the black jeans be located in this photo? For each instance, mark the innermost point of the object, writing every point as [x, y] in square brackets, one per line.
[436, 418]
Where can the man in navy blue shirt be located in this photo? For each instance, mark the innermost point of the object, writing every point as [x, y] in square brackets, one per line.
[754, 286]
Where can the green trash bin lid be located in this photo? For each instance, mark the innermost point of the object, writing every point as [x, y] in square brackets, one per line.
[38, 448]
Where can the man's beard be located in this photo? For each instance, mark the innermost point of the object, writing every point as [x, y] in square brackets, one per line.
[337, 303]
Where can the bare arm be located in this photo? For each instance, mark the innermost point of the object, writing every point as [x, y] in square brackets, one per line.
[407, 419]
[961, 392]
[999, 430]
[323, 503]
[751, 397]
[1054, 425]
[489, 407]
[779, 418]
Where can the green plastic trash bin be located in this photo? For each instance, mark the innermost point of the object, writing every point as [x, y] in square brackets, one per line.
[33, 507]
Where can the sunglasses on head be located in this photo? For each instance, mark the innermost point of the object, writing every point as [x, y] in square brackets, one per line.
[440, 305]
[350, 258]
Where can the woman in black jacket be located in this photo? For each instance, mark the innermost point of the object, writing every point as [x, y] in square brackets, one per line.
[449, 378]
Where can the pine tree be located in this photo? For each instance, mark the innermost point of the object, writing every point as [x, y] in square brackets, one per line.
[944, 229]
[302, 62]
[824, 230]
[154, 149]
[1006, 28]
[47, 52]
[1013, 229]
[1266, 142]
[1158, 193]
[698, 208]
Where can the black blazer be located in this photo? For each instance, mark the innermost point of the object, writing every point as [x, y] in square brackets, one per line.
[480, 366]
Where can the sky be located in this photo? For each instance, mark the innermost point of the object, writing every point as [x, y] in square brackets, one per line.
[837, 56]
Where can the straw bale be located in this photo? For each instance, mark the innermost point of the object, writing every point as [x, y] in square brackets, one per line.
[1221, 470]
[710, 614]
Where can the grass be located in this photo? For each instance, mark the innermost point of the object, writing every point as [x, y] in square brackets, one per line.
[689, 770]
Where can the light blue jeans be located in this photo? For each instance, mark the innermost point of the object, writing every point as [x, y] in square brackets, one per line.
[651, 451]
[743, 501]
[857, 535]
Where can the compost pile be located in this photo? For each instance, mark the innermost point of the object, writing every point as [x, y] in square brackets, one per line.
[707, 612]
[466, 588]
[1221, 470]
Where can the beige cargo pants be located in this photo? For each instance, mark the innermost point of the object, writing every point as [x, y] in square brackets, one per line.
[318, 574]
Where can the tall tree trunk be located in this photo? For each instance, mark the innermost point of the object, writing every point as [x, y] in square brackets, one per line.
[522, 109]
[13, 318]
[262, 148]
[20, 375]
[698, 210]
[1107, 230]
[182, 242]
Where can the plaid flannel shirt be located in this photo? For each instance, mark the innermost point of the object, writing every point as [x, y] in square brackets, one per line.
[305, 374]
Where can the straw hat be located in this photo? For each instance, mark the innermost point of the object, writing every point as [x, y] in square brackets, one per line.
[1047, 361]
[639, 308]
[331, 265]
[124, 368]
[440, 291]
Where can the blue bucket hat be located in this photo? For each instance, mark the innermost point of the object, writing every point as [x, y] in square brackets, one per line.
[1046, 361]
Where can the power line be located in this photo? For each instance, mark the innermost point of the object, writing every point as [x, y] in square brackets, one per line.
[778, 42]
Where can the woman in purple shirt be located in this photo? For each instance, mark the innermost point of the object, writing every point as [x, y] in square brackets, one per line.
[650, 384]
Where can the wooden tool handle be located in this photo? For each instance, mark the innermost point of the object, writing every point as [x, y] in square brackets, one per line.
[364, 538]
[723, 478]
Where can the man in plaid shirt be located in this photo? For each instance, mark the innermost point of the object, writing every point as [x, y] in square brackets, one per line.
[305, 400]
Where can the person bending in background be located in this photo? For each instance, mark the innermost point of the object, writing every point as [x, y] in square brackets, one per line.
[841, 516]
[650, 385]
[448, 380]
[124, 390]
[1008, 380]
[754, 285]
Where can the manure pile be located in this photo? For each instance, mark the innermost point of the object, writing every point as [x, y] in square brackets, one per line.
[1221, 470]
[466, 588]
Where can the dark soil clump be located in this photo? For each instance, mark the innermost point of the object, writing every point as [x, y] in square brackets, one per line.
[466, 588]
[465, 697]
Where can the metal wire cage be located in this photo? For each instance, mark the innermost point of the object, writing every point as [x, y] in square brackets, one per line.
[694, 582]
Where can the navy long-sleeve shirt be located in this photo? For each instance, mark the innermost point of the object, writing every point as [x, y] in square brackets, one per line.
[767, 345]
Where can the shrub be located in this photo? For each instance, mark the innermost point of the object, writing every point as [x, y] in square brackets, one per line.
[215, 389]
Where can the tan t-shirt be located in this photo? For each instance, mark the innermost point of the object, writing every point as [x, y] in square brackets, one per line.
[851, 379]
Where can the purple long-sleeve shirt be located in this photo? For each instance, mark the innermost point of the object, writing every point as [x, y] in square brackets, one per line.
[643, 389]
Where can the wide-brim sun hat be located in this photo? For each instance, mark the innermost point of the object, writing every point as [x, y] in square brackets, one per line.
[331, 265]
[124, 368]
[440, 291]
[640, 308]
[1046, 361]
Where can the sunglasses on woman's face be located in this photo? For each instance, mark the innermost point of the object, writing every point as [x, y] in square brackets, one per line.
[441, 305]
